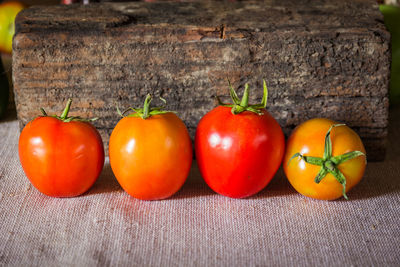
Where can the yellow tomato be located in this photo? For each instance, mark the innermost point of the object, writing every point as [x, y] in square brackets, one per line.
[8, 12]
[307, 159]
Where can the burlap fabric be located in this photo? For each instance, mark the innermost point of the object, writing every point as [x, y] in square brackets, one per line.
[106, 227]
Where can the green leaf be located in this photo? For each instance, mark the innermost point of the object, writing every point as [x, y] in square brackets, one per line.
[321, 175]
[164, 101]
[64, 116]
[66, 110]
[252, 109]
[264, 99]
[242, 105]
[265, 95]
[146, 111]
[328, 142]
[308, 159]
[313, 160]
[347, 156]
[119, 112]
[43, 112]
[157, 112]
[146, 106]
[295, 156]
[233, 94]
[245, 99]
[341, 179]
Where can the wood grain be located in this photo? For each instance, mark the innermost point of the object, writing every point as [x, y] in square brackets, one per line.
[320, 59]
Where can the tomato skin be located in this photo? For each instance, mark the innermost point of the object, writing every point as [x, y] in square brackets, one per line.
[61, 159]
[308, 139]
[151, 158]
[238, 155]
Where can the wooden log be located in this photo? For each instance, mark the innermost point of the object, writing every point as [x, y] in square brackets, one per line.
[320, 59]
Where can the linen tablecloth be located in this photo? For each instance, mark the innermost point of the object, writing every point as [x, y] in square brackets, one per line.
[107, 227]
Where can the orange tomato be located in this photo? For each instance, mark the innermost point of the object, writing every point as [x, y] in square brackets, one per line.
[306, 143]
[62, 157]
[150, 157]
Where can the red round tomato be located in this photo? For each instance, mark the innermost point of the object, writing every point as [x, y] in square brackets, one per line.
[150, 153]
[239, 147]
[323, 159]
[61, 156]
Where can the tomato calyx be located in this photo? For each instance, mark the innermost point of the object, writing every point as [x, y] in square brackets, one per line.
[146, 111]
[328, 163]
[64, 116]
[241, 105]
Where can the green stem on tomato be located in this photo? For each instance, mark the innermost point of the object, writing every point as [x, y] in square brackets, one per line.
[146, 106]
[328, 163]
[64, 116]
[241, 105]
[245, 98]
[66, 109]
[147, 111]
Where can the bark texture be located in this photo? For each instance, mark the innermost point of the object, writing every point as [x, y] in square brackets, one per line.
[319, 58]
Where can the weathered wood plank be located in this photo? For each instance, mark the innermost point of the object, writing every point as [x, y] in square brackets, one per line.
[321, 59]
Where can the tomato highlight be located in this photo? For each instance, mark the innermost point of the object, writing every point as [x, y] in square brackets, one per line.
[150, 152]
[239, 147]
[62, 156]
[324, 167]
